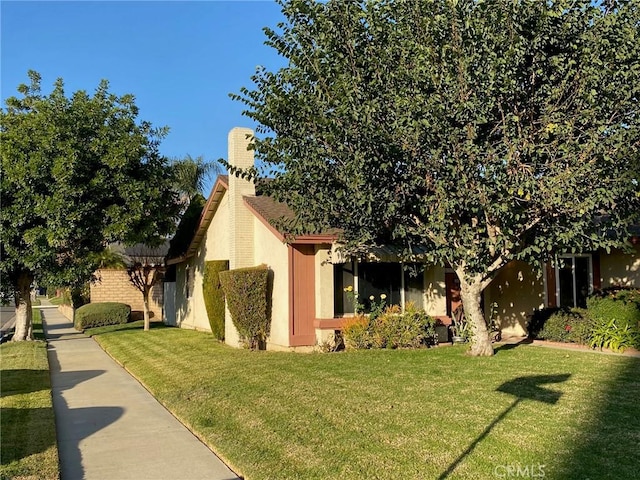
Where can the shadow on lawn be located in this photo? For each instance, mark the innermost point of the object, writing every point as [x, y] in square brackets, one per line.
[607, 448]
[522, 388]
[19, 381]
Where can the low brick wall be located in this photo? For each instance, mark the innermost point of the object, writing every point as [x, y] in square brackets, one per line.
[67, 311]
[114, 286]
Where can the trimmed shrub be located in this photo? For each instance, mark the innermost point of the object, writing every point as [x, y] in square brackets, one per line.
[101, 314]
[411, 329]
[538, 320]
[214, 296]
[573, 326]
[248, 297]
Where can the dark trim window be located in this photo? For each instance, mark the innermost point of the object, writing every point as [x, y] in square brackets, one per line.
[188, 274]
[574, 280]
[399, 284]
[343, 277]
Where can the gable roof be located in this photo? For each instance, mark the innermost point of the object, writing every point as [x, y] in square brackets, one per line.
[268, 210]
[265, 208]
[208, 211]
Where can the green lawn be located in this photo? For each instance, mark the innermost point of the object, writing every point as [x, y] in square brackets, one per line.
[28, 442]
[56, 300]
[424, 414]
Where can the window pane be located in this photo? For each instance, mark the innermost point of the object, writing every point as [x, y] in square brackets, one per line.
[342, 278]
[414, 285]
[565, 274]
[378, 278]
[582, 281]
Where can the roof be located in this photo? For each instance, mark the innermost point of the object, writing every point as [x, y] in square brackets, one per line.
[269, 208]
[141, 253]
[209, 210]
[265, 208]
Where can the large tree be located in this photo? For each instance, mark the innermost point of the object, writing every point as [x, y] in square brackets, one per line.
[78, 173]
[480, 131]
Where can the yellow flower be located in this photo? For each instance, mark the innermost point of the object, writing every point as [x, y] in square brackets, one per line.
[349, 288]
[372, 298]
[383, 296]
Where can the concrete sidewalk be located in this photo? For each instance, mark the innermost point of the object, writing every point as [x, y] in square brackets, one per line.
[108, 426]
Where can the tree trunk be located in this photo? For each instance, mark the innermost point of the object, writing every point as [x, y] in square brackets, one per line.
[470, 292]
[24, 315]
[145, 296]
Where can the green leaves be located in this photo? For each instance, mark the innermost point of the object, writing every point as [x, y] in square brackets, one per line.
[481, 131]
[78, 172]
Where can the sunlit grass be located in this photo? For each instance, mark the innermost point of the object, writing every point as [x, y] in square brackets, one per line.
[28, 441]
[56, 300]
[394, 414]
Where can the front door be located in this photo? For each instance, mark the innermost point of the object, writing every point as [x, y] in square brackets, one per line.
[302, 295]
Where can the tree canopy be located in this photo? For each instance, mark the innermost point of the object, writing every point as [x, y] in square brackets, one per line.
[78, 172]
[481, 131]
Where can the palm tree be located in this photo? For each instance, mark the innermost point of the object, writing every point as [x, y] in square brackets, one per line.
[190, 176]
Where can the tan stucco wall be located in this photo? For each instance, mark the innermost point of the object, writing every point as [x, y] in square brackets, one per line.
[435, 297]
[620, 269]
[324, 283]
[191, 312]
[270, 250]
[114, 286]
[518, 292]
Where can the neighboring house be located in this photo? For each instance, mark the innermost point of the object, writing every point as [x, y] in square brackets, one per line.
[113, 284]
[309, 298]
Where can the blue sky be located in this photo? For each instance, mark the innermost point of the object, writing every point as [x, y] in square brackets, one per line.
[180, 59]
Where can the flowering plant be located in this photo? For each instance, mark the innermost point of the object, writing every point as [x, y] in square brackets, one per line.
[375, 307]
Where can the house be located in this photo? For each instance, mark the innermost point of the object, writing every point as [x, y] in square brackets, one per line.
[113, 284]
[309, 279]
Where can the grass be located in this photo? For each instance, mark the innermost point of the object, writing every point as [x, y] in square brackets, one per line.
[430, 414]
[28, 447]
[56, 300]
[137, 325]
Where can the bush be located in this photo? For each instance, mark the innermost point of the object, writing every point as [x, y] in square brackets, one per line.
[572, 326]
[391, 329]
[101, 314]
[214, 296]
[411, 329]
[356, 333]
[247, 291]
[538, 320]
[623, 306]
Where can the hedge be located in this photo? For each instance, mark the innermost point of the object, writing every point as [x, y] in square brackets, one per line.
[214, 296]
[248, 296]
[100, 314]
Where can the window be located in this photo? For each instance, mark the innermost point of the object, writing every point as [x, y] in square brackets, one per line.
[187, 281]
[574, 280]
[375, 279]
[399, 284]
[343, 276]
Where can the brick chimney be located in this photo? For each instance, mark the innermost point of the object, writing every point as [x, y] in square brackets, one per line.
[240, 218]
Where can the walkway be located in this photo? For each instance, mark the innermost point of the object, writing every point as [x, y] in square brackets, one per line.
[108, 426]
